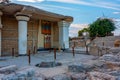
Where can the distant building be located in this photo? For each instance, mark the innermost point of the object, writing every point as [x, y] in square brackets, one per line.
[25, 27]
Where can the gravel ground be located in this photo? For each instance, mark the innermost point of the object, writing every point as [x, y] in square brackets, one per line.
[64, 58]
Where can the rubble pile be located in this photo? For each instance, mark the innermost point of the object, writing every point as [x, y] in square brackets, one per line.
[106, 67]
[13, 73]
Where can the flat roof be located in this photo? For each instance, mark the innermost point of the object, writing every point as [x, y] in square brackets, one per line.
[13, 8]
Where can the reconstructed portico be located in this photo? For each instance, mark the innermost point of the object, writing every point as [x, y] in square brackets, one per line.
[22, 33]
[27, 28]
[64, 34]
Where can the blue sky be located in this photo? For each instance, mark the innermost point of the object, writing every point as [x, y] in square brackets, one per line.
[84, 12]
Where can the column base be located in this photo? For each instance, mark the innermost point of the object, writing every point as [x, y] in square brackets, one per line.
[22, 55]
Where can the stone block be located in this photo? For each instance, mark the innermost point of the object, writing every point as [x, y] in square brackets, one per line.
[79, 76]
[118, 78]
[80, 67]
[1, 76]
[8, 69]
[26, 72]
[40, 78]
[62, 77]
[114, 50]
[93, 50]
[111, 57]
[10, 77]
[100, 76]
[39, 75]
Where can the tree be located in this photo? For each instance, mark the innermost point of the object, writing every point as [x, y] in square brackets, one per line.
[101, 27]
[80, 32]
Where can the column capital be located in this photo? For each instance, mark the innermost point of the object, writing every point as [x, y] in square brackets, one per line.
[22, 17]
[64, 23]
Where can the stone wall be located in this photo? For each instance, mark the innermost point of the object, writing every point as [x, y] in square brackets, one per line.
[10, 35]
[32, 34]
[101, 45]
[108, 41]
[78, 43]
[55, 34]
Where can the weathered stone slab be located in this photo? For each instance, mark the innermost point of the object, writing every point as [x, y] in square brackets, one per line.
[10, 77]
[100, 76]
[21, 74]
[114, 50]
[62, 77]
[118, 78]
[26, 72]
[48, 64]
[79, 76]
[8, 69]
[108, 57]
[80, 67]
[39, 76]
[116, 74]
[1, 76]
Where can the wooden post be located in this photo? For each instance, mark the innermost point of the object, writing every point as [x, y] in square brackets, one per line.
[87, 49]
[34, 50]
[13, 52]
[54, 53]
[73, 51]
[86, 46]
[74, 44]
[29, 57]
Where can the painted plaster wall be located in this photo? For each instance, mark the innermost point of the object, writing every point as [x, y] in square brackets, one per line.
[34, 38]
[10, 35]
[32, 34]
[40, 36]
[54, 36]
[55, 30]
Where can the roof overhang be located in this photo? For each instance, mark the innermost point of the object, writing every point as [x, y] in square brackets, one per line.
[12, 9]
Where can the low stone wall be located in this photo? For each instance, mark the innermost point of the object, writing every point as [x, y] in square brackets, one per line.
[13, 73]
[93, 50]
[101, 45]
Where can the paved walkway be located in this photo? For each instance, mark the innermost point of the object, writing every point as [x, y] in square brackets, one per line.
[65, 58]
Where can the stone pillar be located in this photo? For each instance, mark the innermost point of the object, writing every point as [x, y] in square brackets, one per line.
[22, 33]
[64, 34]
[0, 32]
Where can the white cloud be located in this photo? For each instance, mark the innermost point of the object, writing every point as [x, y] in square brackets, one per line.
[31, 0]
[79, 25]
[61, 7]
[65, 1]
[93, 3]
[96, 3]
[116, 20]
[74, 28]
[116, 12]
